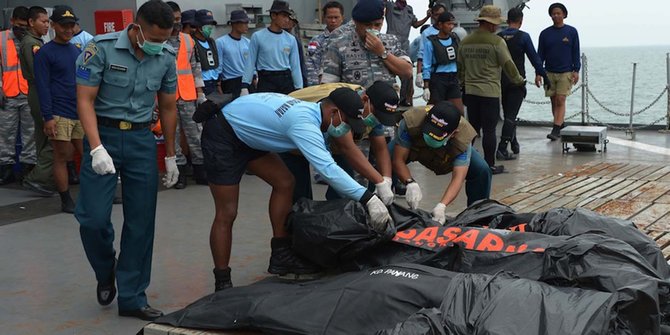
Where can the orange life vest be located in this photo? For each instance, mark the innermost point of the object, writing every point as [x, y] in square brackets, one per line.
[13, 82]
[185, 80]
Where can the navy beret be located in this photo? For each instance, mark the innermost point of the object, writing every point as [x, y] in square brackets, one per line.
[368, 10]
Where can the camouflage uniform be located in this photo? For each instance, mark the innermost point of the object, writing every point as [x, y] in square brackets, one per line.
[346, 60]
[15, 113]
[185, 110]
[314, 55]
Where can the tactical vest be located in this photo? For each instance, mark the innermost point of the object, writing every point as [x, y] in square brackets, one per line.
[13, 82]
[440, 161]
[185, 81]
[209, 58]
[444, 55]
[518, 55]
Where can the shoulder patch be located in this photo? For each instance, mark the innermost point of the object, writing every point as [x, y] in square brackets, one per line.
[36, 48]
[90, 51]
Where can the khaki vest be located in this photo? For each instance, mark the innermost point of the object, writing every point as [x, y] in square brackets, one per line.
[440, 161]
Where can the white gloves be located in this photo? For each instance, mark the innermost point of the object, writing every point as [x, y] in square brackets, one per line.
[413, 195]
[379, 215]
[201, 98]
[171, 171]
[244, 91]
[439, 213]
[426, 94]
[102, 163]
[419, 80]
[384, 191]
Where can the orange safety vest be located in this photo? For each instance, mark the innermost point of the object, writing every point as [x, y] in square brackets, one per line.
[185, 80]
[13, 82]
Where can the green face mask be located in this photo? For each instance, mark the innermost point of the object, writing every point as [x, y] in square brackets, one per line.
[433, 143]
[149, 48]
[207, 30]
[371, 121]
[340, 130]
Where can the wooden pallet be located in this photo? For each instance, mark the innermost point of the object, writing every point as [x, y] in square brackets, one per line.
[637, 192]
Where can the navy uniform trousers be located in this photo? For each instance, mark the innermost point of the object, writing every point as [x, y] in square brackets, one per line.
[134, 155]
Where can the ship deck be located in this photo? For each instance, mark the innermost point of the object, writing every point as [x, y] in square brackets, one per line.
[48, 287]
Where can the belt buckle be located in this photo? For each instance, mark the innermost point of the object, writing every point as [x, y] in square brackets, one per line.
[125, 125]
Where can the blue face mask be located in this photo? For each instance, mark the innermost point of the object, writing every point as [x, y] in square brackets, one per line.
[149, 48]
[340, 130]
[433, 143]
[371, 121]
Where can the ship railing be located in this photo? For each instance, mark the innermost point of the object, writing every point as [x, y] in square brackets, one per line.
[587, 95]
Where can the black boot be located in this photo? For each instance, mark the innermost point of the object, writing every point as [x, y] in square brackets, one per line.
[66, 203]
[502, 152]
[199, 174]
[514, 144]
[284, 261]
[181, 181]
[222, 279]
[555, 133]
[73, 176]
[6, 174]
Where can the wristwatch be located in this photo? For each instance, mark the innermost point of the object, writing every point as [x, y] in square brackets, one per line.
[384, 55]
[409, 181]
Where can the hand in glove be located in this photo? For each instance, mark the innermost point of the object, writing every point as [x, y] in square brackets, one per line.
[379, 215]
[244, 91]
[426, 94]
[439, 213]
[384, 191]
[171, 172]
[101, 162]
[201, 98]
[413, 195]
[419, 80]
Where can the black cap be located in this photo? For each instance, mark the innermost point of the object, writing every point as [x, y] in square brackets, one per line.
[385, 100]
[63, 14]
[558, 5]
[446, 17]
[204, 17]
[441, 120]
[238, 16]
[349, 103]
[368, 10]
[279, 6]
[188, 17]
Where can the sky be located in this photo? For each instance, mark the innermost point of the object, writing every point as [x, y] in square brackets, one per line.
[600, 23]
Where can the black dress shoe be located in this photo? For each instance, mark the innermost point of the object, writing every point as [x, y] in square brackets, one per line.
[505, 155]
[497, 169]
[146, 313]
[107, 291]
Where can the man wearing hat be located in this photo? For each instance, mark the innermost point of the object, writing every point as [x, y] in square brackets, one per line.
[380, 103]
[481, 56]
[558, 49]
[234, 53]
[440, 139]
[189, 92]
[364, 55]
[274, 54]
[188, 21]
[56, 86]
[206, 49]
[246, 134]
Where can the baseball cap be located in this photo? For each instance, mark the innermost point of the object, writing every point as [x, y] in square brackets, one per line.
[63, 14]
[349, 102]
[441, 120]
[385, 101]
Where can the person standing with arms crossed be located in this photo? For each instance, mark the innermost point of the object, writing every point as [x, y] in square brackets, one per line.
[558, 49]
[119, 76]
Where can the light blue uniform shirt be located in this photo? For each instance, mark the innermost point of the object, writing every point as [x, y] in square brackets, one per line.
[212, 74]
[279, 123]
[424, 39]
[273, 52]
[127, 86]
[81, 40]
[233, 56]
[429, 60]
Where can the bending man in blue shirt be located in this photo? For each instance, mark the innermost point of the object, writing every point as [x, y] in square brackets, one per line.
[247, 134]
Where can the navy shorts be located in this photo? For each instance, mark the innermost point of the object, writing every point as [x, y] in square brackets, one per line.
[226, 156]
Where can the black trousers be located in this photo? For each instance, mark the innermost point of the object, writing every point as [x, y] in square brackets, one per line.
[483, 114]
[512, 97]
[299, 167]
[232, 86]
[275, 81]
[444, 86]
[210, 86]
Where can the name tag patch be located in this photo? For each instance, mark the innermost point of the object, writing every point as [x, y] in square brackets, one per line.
[119, 68]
